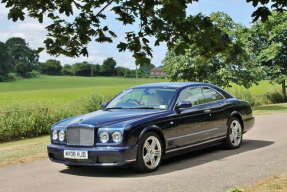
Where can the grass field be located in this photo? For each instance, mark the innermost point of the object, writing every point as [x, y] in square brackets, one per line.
[64, 88]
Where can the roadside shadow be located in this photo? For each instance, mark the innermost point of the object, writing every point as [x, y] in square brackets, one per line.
[176, 163]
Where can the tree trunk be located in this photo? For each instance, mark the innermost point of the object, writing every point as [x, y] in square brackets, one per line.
[284, 90]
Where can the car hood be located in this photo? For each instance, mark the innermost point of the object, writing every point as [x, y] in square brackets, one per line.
[104, 118]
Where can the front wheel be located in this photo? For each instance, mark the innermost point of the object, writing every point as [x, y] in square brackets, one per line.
[149, 155]
[234, 134]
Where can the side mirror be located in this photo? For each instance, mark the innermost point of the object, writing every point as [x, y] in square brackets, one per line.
[183, 104]
[104, 104]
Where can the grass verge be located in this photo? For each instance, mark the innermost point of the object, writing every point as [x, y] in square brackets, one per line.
[23, 151]
[269, 109]
[276, 183]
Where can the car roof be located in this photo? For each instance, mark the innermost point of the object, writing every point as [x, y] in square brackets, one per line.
[173, 85]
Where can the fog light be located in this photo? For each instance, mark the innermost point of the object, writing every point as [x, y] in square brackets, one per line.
[61, 135]
[55, 135]
[104, 137]
[117, 136]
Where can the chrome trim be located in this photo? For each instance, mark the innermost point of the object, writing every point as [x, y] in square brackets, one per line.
[202, 94]
[130, 160]
[225, 126]
[190, 134]
[192, 145]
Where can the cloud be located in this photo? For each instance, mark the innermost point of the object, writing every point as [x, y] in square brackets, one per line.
[3, 9]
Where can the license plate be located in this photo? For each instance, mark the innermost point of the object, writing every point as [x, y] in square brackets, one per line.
[72, 154]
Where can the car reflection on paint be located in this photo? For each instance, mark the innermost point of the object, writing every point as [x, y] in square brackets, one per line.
[143, 125]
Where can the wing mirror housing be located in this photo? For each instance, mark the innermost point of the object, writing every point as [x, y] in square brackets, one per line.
[183, 104]
[104, 104]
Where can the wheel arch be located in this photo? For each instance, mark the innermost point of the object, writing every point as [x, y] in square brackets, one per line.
[156, 129]
[237, 115]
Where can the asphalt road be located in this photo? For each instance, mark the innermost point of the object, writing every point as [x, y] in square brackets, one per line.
[263, 153]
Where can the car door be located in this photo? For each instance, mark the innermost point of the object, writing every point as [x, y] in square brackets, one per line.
[193, 124]
[219, 111]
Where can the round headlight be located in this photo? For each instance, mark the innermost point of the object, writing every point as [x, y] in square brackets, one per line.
[55, 135]
[117, 136]
[61, 135]
[104, 137]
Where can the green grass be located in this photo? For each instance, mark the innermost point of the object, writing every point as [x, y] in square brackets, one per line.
[64, 88]
[269, 109]
[23, 151]
[261, 88]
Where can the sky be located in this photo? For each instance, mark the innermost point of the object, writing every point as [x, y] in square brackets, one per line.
[35, 33]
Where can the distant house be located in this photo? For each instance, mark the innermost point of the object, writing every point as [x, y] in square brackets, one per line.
[156, 72]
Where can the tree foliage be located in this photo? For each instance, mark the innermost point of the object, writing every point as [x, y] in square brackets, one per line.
[108, 67]
[166, 20]
[221, 69]
[50, 67]
[5, 61]
[24, 58]
[268, 43]
[146, 68]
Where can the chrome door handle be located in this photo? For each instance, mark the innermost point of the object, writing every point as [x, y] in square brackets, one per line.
[206, 111]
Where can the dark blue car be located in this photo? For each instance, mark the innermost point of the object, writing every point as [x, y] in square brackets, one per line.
[144, 124]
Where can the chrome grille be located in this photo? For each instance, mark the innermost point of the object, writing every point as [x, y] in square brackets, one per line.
[80, 136]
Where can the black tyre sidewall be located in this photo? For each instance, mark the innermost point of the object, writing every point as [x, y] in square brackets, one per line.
[140, 162]
[228, 142]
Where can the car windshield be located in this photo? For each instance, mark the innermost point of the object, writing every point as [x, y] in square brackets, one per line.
[148, 98]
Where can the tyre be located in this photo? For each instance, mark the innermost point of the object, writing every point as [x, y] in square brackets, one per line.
[234, 134]
[150, 152]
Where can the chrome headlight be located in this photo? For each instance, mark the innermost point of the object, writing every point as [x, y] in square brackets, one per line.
[61, 135]
[104, 137]
[117, 136]
[55, 135]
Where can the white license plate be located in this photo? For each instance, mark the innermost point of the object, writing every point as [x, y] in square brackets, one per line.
[73, 154]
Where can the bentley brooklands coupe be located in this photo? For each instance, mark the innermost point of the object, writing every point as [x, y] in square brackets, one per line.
[144, 124]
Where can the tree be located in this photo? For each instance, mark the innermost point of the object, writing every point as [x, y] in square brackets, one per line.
[67, 70]
[268, 42]
[96, 70]
[146, 68]
[50, 67]
[166, 20]
[120, 71]
[5, 61]
[222, 69]
[25, 59]
[82, 69]
[108, 67]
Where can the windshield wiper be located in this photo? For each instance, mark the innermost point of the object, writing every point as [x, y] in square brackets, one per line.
[115, 108]
[145, 108]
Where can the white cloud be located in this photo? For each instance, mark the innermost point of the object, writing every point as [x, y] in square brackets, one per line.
[3, 9]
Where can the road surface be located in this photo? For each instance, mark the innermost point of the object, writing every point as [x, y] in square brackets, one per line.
[262, 154]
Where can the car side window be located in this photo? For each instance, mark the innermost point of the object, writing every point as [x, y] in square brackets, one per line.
[211, 95]
[194, 95]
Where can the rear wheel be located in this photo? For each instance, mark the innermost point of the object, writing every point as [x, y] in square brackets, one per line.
[149, 155]
[234, 134]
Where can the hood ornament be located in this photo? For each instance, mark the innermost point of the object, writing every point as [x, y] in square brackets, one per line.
[80, 121]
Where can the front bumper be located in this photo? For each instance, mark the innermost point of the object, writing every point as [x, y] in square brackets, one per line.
[96, 155]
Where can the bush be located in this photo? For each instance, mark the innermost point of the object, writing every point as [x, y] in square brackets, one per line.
[146, 76]
[33, 74]
[272, 96]
[24, 122]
